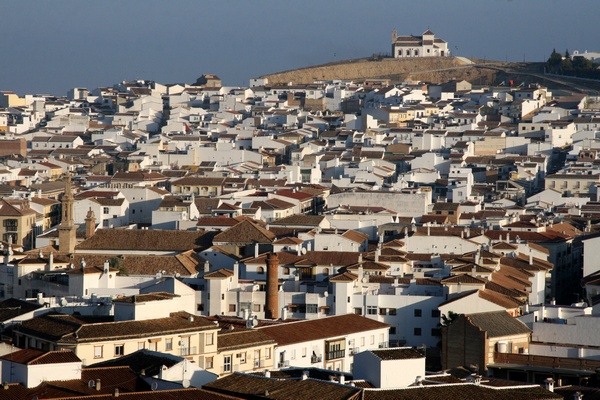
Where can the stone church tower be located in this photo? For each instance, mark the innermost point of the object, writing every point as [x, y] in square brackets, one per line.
[67, 228]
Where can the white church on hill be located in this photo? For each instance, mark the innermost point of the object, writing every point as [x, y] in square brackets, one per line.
[426, 45]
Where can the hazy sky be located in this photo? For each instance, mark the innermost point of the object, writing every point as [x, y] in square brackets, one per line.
[52, 46]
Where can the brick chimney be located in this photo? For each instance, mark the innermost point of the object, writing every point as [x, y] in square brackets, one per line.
[272, 303]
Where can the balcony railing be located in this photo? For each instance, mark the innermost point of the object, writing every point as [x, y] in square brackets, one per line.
[283, 364]
[355, 350]
[316, 359]
[186, 351]
[330, 355]
[547, 361]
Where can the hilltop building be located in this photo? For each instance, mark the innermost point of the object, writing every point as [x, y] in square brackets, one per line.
[426, 45]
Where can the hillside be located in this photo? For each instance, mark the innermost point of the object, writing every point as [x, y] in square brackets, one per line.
[431, 69]
[436, 70]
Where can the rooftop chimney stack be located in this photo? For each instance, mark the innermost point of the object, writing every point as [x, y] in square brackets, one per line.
[272, 303]
[549, 384]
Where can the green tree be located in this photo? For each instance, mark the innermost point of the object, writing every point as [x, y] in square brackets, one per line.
[450, 318]
[581, 64]
[555, 58]
[115, 262]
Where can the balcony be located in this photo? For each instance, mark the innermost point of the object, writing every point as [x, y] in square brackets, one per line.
[354, 350]
[283, 364]
[186, 351]
[330, 355]
[316, 359]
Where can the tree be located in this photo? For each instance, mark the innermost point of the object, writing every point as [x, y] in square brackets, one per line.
[554, 61]
[450, 318]
[115, 262]
[581, 64]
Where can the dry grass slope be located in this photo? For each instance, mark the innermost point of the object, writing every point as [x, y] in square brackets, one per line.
[434, 69]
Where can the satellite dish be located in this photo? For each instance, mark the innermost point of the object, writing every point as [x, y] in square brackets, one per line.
[185, 383]
[154, 386]
[63, 302]
[303, 251]
[364, 279]
[326, 293]
[158, 275]
[92, 384]
[177, 274]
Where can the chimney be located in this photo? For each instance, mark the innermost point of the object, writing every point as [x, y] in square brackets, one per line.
[206, 266]
[51, 261]
[508, 237]
[255, 250]
[428, 230]
[267, 373]
[577, 396]
[342, 379]
[106, 267]
[236, 270]
[530, 259]
[98, 385]
[305, 374]
[90, 224]
[549, 384]
[272, 303]
[116, 393]
[284, 313]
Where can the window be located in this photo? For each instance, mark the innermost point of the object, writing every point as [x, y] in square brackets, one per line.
[227, 363]
[311, 308]
[435, 313]
[392, 330]
[335, 349]
[417, 331]
[106, 210]
[362, 341]
[418, 312]
[210, 338]
[358, 311]
[304, 352]
[242, 357]
[169, 344]
[152, 346]
[286, 271]
[268, 353]
[232, 308]
[260, 270]
[371, 310]
[326, 271]
[382, 311]
[141, 345]
[256, 307]
[392, 311]
[436, 332]
[200, 307]
[119, 350]
[372, 339]
[97, 351]
[208, 363]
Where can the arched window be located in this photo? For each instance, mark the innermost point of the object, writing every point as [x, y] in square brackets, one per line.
[260, 270]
